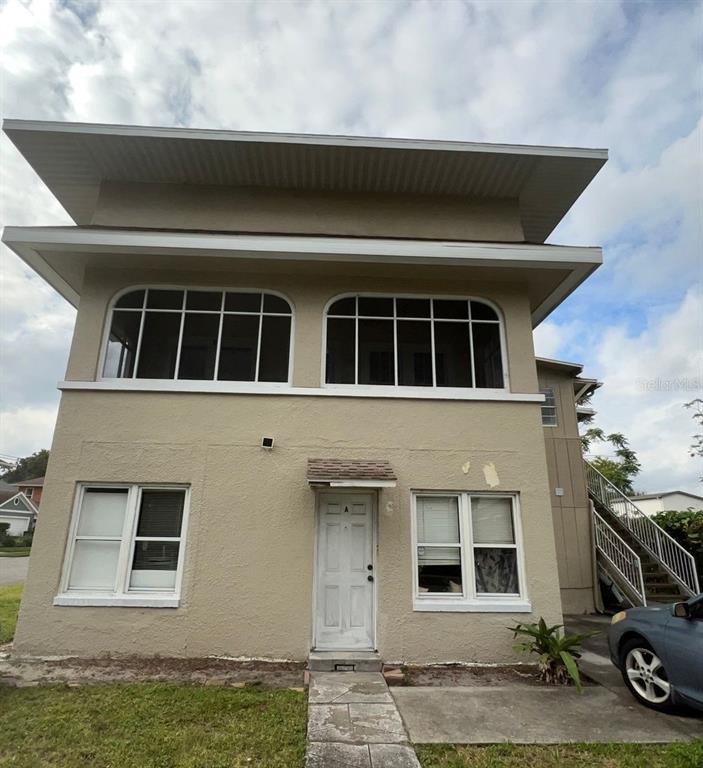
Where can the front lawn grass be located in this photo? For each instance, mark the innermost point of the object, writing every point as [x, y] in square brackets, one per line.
[9, 608]
[15, 551]
[151, 725]
[682, 755]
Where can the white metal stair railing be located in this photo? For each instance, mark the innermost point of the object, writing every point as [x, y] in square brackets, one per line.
[620, 557]
[679, 563]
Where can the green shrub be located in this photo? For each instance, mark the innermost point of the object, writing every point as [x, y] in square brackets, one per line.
[687, 529]
[557, 655]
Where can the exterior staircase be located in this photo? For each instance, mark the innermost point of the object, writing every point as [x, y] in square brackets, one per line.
[645, 563]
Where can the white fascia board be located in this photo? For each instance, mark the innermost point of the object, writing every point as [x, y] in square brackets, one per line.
[205, 134]
[341, 390]
[27, 242]
[84, 239]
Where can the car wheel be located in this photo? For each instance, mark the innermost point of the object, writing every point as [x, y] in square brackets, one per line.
[645, 675]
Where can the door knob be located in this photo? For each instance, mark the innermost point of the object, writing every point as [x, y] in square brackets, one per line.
[369, 578]
[369, 567]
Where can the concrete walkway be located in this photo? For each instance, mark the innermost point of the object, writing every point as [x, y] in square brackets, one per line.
[524, 714]
[13, 570]
[353, 722]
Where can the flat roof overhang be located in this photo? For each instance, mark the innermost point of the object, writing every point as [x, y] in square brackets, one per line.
[73, 159]
[60, 255]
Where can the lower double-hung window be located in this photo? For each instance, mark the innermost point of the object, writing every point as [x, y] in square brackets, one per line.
[126, 546]
[468, 553]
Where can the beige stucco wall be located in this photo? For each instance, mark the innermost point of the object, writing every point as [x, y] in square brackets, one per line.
[247, 587]
[251, 209]
[571, 513]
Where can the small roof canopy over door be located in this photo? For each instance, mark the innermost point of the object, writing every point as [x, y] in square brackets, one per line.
[351, 473]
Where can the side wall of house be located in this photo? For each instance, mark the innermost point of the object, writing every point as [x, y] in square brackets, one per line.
[249, 558]
[571, 513]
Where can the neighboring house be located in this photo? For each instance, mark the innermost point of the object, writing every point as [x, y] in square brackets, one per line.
[7, 491]
[302, 407]
[32, 489]
[19, 512]
[678, 501]
[564, 388]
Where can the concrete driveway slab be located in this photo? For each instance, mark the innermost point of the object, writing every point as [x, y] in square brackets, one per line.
[13, 570]
[532, 715]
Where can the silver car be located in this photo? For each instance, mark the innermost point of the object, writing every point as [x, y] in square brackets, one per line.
[659, 650]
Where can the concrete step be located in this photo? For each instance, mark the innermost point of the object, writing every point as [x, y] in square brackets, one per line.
[344, 661]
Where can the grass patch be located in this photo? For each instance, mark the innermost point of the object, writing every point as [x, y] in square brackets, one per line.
[15, 551]
[9, 608]
[151, 726]
[683, 755]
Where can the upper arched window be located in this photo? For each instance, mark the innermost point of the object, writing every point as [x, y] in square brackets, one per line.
[414, 342]
[205, 335]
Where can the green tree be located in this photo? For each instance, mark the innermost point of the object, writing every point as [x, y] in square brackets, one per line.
[28, 467]
[621, 470]
[695, 450]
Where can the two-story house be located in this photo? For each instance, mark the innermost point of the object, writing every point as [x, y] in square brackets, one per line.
[32, 489]
[302, 408]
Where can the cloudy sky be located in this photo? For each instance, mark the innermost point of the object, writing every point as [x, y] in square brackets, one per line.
[626, 76]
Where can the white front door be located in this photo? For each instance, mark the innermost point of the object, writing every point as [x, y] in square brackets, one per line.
[344, 615]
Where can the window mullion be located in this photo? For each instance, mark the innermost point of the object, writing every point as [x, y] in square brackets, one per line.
[142, 321]
[471, 349]
[258, 341]
[469, 566]
[432, 350]
[356, 340]
[180, 335]
[128, 542]
[216, 372]
[395, 341]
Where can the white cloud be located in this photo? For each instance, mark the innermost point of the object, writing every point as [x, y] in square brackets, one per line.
[25, 430]
[648, 377]
[613, 74]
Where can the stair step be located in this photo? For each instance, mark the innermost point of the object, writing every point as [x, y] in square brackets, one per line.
[667, 588]
[664, 599]
[344, 661]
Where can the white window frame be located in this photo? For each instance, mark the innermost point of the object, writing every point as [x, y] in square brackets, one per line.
[395, 388]
[122, 594]
[182, 311]
[549, 408]
[470, 601]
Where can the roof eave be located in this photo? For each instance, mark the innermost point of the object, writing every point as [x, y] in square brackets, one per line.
[27, 242]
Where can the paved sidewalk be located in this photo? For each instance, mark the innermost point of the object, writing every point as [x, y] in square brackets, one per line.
[522, 714]
[353, 722]
[13, 570]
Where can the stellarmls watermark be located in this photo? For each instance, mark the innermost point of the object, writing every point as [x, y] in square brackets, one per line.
[680, 384]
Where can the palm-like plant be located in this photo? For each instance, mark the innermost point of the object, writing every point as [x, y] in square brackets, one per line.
[557, 654]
